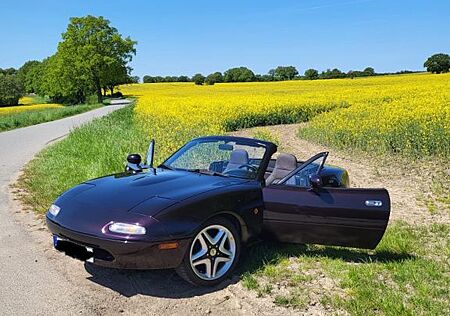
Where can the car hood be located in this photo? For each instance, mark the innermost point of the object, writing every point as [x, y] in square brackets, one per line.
[128, 197]
[125, 190]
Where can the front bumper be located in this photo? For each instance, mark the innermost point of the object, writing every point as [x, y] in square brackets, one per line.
[122, 254]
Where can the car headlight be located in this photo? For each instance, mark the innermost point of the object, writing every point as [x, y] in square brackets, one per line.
[54, 209]
[129, 229]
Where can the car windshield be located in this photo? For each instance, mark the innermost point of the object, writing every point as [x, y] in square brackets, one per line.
[220, 157]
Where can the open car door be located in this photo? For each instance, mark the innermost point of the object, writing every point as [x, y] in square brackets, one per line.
[299, 209]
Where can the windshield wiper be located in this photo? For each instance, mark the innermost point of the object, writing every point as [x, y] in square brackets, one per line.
[207, 172]
[163, 166]
[215, 173]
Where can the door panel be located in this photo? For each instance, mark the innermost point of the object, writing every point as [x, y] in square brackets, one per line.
[329, 216]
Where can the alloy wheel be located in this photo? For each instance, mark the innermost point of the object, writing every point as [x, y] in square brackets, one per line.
[212, 252]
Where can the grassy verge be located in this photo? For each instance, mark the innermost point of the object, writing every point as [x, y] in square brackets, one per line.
[36, 116]
[95, 149]
[408, 274]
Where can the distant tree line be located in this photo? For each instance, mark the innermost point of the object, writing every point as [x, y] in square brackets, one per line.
[280, 73]
[438, 63]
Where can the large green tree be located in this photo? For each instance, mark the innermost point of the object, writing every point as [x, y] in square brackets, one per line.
[438, 63]
[63, 82]
[92, 55]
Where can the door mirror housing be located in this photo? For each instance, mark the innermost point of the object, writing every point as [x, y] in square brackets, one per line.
[133, 163]
[316, 181]
[134, 159]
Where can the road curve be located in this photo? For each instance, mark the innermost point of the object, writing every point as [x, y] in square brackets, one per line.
[27, 283]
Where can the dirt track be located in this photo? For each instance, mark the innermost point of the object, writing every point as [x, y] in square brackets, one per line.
[405, 183]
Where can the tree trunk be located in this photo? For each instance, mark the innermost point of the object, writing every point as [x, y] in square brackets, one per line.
[104, 91]
[111, 88]
[98, 89]
[99, 95]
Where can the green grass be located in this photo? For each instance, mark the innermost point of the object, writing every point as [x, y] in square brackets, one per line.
[408, 274]
[32, 117]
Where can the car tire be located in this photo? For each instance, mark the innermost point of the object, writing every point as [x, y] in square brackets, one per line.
[205, 262]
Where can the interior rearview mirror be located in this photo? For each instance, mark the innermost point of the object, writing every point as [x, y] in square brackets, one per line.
[227, 147]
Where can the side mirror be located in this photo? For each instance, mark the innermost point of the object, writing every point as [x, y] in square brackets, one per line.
[134, 163]
[134, 159]
[316, 181]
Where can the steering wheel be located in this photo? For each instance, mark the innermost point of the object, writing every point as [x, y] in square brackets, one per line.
[249, 167]
[240, 172]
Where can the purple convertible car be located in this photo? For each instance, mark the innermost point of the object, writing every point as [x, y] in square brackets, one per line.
[196, 210]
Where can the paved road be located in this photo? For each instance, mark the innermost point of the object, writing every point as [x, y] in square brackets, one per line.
[27, 283]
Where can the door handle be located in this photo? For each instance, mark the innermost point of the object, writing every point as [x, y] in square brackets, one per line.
[374, 203]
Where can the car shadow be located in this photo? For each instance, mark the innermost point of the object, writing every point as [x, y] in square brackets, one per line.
[167, 284]
[159, 283]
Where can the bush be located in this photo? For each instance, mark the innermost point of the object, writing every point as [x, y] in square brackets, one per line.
[11, 90]
[90, 99]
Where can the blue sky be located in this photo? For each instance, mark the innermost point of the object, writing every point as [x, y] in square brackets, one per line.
[185, 37]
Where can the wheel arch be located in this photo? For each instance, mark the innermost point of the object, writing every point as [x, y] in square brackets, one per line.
[235, 219]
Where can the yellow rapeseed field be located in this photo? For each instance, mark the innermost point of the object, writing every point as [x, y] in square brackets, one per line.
[408, 113]
[7, 110]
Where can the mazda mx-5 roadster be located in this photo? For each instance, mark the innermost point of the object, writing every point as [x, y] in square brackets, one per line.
[196, 210]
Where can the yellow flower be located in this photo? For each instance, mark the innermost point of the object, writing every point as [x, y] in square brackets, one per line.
[24, 108]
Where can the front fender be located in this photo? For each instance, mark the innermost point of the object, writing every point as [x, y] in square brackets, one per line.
[184, 218]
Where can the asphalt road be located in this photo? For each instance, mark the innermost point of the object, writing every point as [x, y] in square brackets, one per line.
[28, 285]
